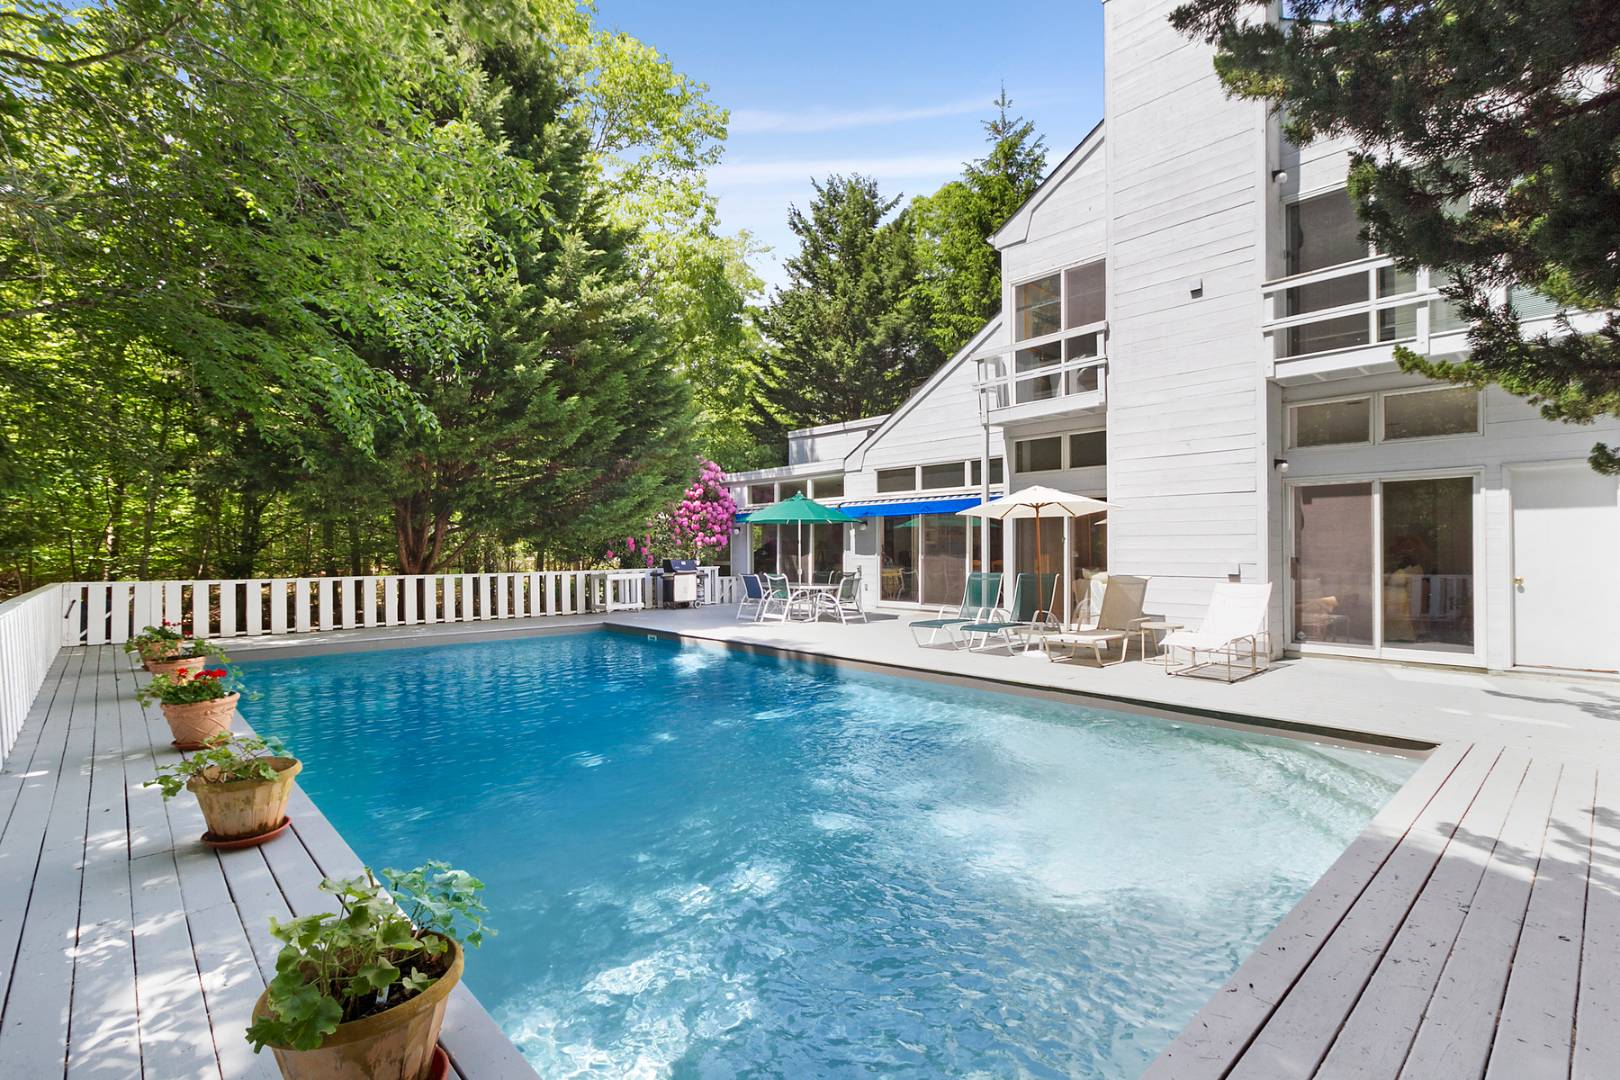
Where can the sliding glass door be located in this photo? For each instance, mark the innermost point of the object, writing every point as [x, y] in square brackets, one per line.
[944, 558]
[1384, 566]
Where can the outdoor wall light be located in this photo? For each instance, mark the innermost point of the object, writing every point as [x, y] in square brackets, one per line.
[1279, 176]
[1280, 464]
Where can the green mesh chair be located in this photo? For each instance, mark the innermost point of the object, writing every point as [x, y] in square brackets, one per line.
[979, 598]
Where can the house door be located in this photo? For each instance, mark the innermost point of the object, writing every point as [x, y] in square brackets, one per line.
[1566, 580]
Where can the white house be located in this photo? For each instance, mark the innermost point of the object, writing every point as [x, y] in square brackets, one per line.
[1193, 331]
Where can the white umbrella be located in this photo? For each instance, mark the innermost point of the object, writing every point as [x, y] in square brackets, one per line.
[1031, 502]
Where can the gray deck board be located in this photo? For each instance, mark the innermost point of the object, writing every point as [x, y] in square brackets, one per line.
[1597, 1013]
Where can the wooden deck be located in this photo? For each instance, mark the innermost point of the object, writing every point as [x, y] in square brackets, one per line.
[1473, 930]
[127, 948]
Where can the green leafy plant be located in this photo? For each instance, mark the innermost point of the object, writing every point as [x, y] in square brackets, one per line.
[224, 758]
[185, 688]
[154, 640]
[377, 951]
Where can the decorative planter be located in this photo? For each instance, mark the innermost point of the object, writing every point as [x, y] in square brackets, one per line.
[190, 665]
[245, 809]
[157, 652]
[194, 724]
[399, 1044]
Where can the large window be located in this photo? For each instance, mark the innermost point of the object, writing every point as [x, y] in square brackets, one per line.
[897, 579]
[827, 550]
[976, 548]
[1385, 563]
[1038, 455]
[1039, 305]
[1324, 231]
[944, 558]
[1426, 414]
[1085, 288]
[897, 480]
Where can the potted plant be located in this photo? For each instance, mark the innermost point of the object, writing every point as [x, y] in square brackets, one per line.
[361, 993]
[197, 706]
[241, 783]
[191, 658]
[156, 643]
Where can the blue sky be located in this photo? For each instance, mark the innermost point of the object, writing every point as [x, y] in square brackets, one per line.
[893, 90]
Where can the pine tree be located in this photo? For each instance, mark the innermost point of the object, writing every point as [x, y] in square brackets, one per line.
[1491, 136]
[961, 271]
[848, 336]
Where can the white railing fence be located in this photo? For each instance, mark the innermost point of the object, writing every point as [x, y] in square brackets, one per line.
[104, 612]
[29, 640]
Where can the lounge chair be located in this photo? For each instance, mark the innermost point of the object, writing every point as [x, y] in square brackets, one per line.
[1030, 612]
[979, 598]
[752, 603]
[1233, 637]
[1121, 608]
[846, 602]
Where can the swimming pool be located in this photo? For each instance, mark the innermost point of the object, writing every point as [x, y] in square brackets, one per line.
[704, 863]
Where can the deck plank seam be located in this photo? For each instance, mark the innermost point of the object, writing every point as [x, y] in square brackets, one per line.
[1586, 907]
[129, 861]
[1406, 831]
[84, 858]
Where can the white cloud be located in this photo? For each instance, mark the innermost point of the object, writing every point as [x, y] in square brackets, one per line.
[817, 119]
[800, 170]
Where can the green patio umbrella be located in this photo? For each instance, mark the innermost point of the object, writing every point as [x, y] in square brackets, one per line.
[796, 511]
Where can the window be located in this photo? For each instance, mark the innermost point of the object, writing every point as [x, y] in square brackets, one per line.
[1039, 455]
[789, 488]
[942, 476]
[760, 494]
[1088, 449]
[1323, 231]
[1330, 423]
[827, 487]
[897, 480]
[1425, 414]
[1086, 287]
[974, 469]
[1529, 304]
[1039, 307]
[1041, 387]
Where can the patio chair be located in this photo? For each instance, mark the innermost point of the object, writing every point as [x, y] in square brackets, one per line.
[1029, 613]
[1233, 637]
[979, 598]
[752, 604]
[1120, 610]
[846, 602]
[778, 595]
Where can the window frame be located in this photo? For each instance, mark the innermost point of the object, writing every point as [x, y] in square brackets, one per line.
[1479, 415]
[1290, 438]
[1376, 418]
[1061, 438]
[880, 473]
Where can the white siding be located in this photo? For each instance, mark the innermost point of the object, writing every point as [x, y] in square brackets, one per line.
[1187, 396]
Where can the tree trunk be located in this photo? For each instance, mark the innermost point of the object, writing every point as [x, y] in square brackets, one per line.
[154, 486]
[355, 563]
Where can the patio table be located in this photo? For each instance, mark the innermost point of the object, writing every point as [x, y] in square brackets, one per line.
[811, 593]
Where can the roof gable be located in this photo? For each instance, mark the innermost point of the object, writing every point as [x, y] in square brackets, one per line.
[1016, 228]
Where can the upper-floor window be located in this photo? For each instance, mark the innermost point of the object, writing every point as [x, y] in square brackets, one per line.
[948, 475]
[1039, 304]
[827, 487]
[789, 488]
[897, 479]
[1323, 231]
[975, 472]
[760, 494]
[1047, 361]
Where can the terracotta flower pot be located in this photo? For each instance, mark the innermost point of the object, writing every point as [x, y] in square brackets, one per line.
[194, 724]
[190, 665]
[156, 652]
[238, 809]
[394, 1045]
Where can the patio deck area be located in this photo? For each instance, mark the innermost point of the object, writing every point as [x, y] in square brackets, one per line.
[1472, 930]
[127, 948]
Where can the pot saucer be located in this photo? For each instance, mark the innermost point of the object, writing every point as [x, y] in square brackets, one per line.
[246, 841]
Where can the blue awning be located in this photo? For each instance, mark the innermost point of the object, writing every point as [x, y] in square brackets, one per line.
[906, 509]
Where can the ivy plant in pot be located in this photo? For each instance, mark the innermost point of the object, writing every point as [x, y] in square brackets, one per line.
[241, 783]
[155, 644]
[197, 707]
[360, 994]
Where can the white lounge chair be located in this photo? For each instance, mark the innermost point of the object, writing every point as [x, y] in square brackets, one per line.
[1120, 610]
[1233, 638]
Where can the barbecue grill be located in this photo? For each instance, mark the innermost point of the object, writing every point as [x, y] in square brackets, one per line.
[679, 583]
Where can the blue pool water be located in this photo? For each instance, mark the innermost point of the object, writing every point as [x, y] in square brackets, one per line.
[706, 864]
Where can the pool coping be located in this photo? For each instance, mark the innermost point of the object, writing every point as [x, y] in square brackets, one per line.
[1265, 725]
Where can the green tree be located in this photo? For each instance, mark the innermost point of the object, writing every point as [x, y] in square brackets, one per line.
[960, 270]
[848, 336]
[1491, 152]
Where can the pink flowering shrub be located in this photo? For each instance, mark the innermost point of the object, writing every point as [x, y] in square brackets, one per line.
[698, 526]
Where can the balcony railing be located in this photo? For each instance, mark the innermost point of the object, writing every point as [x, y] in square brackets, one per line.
[1355, 305]
[1061, 365]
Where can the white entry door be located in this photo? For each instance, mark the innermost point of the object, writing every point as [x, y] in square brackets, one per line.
[1566, 577]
